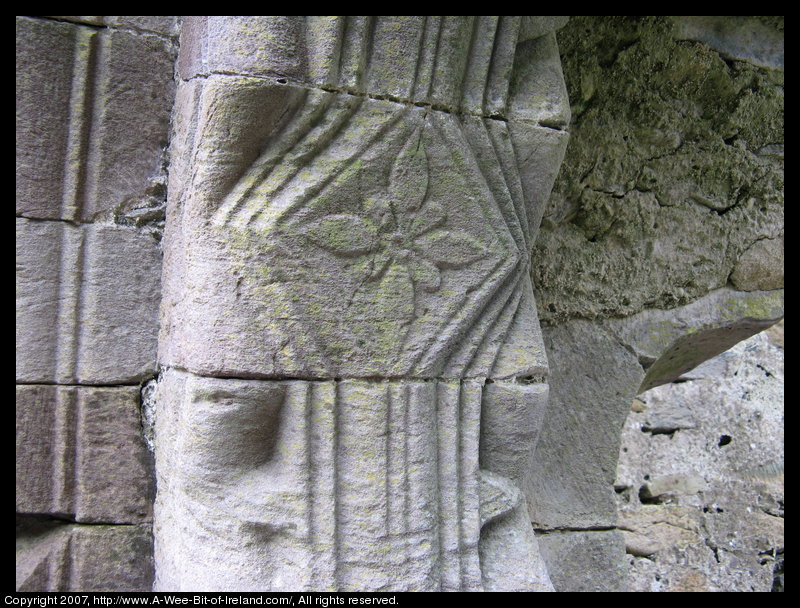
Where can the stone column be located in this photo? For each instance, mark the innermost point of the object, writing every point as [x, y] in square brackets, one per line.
[352, 367]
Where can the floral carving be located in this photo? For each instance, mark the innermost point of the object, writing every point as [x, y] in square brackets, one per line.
[402, 227]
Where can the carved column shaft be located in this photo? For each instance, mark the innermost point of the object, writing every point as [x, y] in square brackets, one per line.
[347, 303]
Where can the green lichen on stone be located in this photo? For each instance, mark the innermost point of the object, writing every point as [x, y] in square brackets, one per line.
[673, 171]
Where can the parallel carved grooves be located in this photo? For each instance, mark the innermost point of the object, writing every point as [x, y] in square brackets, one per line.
[263, 200]
[505, 154]
[297, 130]
[70, 288]
[497, 84]
[485, 357]
[81, 103]
[422, 473]
[484, 38]
[479, 299]
[476, 301]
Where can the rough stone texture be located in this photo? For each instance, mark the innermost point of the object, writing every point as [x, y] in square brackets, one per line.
[93, 108]
[597, 368]
[80, 454]
[670, 206]
[357, 243]
[701, 501]
[760, 267]
[674, 171]
[575, 462]
[584, 561]
[94, 99]
[100, 286]
[333, 219]
[53, 556]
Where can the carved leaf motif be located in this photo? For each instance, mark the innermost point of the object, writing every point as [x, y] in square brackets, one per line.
[450, 249]
[425, 274]
[342, 234]
[409, 178]
[429, 217]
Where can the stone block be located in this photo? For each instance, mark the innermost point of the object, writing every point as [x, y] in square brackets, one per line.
[380, 253]
[348, 485]
[61, 557]
[760, 267]
[454, 63]
[87, 303]
[670, 343]
[46, 68]
[751, 39]
[592, 383]
[585, 561]
[93, 110]
[161, 24]
[538, 93]
[80, 454]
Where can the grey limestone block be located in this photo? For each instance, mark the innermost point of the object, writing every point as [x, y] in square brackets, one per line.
[752, 39]
[670, 343]
[349, 485]
[93, 111]
[593, 380]
[585, 561]
[53, 556]
[100, 287]
[387, 239]
[458, 64]
[80, 454]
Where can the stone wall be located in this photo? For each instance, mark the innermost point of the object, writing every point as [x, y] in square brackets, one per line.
[700, 475]
[94, 97]
[660, 247]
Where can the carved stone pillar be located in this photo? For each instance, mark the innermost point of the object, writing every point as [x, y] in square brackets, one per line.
[352, 366]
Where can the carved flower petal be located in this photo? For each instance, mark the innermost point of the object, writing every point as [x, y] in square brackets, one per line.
[431, 216]
[408, 182]
[342, 234]
[380, 264]
[425, 274]
[450, 248]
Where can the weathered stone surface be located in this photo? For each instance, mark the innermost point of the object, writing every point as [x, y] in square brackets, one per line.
[758, 40]
[760, 267]
[329, 485]
[672, 342]
[80, 454]
[80, 91]
[453, 63]
[674, 170]
[538, 91]
[161, 24]
[584, 561]
[52, 556]
[572, 474]
[100, 286]
[719, 524]
[356, 243]
[380, 241]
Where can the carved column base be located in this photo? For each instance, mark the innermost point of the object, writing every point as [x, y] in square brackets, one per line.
[327, 485]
